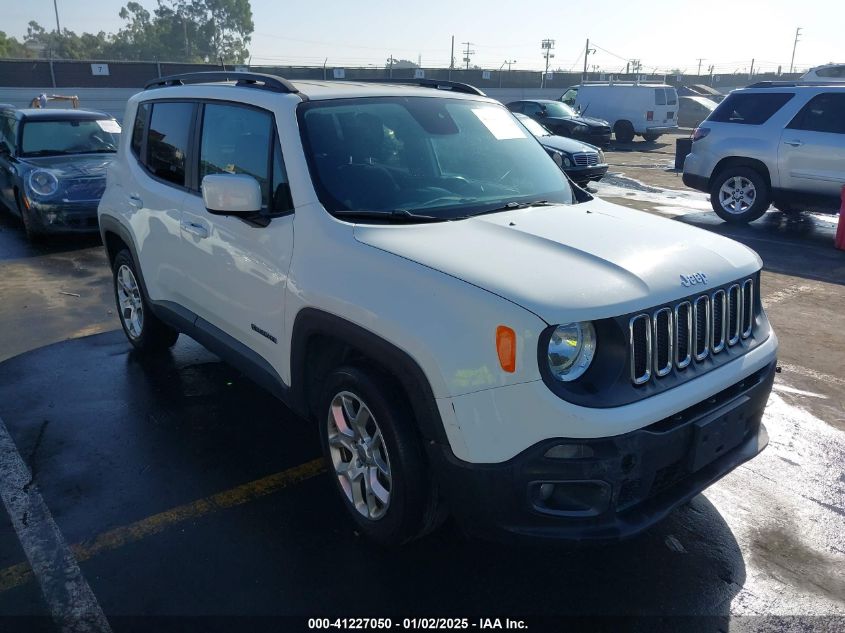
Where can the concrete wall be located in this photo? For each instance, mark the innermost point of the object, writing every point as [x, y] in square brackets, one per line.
[113, 100]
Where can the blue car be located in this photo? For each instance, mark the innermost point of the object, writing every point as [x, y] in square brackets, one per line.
[53, 166]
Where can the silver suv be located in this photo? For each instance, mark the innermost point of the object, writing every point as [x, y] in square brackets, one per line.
[772, 143]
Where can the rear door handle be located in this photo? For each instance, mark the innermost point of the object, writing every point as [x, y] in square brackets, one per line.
[194, 228]
[794, 143]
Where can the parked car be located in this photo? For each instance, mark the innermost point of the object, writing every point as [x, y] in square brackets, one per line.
[405, 267]
[774, 142]
[582, 162]
[563, 120]
[829, 73]
[648, 110]
[53, 166]
[693, 110]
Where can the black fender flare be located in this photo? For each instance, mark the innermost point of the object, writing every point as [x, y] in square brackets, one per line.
[403, 368]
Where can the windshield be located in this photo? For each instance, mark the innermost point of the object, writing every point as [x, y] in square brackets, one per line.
[556, 108]
[535, 128]
[451, 157]
[50, 138]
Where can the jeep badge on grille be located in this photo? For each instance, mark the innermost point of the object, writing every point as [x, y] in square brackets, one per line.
[693, 279]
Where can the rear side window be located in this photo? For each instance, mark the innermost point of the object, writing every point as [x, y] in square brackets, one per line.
[754, 108]
[659, 96]
[142, 116]
[824, 113]
[167, 140]
[671, 96]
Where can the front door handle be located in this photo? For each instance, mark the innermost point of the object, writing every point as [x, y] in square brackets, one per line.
[194, 228]
[135, 201]
[794, 143]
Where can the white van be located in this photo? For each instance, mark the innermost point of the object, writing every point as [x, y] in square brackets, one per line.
[631, 108]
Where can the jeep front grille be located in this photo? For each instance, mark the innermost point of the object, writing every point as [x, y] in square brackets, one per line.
[673, 337]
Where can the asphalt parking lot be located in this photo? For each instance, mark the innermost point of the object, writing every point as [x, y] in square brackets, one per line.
[182, 489]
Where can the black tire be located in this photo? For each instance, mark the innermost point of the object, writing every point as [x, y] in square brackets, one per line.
[151, 335]
[32, 234]
[624, 131]
[413, 508]
[650, 138]
[759, 202]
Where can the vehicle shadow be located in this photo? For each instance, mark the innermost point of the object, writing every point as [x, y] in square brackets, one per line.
[131, 437]
[795, 244]
[14, 244]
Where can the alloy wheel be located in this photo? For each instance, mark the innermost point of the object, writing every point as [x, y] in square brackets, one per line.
[737, 195]
[129, 300]
[359, 455]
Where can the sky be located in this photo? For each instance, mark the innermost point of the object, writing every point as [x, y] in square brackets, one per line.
[663, 34]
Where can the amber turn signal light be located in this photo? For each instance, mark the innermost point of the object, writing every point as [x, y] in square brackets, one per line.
[506, 348]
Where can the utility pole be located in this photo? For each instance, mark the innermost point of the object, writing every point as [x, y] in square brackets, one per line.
[547, 46]
[56, 9]
[587, 51]
[452, 56]
[700, 59]
[390, 61]
[751, 73]
[794, 46]
[468, 53]
[508, 62]
[710, 70]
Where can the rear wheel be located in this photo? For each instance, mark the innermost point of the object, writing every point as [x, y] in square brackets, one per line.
[650, 138]
[143, 328]
[739, 195]
[372, 447]
[624, 131]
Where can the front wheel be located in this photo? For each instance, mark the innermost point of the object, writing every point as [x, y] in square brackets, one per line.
[374, 452]
[33, 234]
[650, 138]
[143, 328]
[739, 195]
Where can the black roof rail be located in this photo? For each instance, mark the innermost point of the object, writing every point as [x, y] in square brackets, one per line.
[795, 84]
[437, 84]
[253, 80]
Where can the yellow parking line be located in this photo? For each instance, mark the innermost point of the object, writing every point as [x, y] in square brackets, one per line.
[21, 573]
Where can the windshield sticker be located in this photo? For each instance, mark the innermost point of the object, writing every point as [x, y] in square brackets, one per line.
[500, 122]
[109, 126]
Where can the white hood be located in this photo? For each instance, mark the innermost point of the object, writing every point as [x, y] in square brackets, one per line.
[570, 263]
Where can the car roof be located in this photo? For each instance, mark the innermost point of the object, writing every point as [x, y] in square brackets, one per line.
[60, 114]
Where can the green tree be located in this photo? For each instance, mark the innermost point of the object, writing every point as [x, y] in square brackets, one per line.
[10, 47]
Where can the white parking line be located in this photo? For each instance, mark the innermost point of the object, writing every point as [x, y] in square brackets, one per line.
[66, 592]
[812, 373]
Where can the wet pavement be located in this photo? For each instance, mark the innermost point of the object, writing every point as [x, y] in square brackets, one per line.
[184, 489]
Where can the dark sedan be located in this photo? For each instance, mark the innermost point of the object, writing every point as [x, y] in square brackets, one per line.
[53, 166]
[580, 161]
[564, 121]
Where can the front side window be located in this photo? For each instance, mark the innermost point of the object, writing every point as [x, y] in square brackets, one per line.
[570, 96]
[824, 113]
[445, 158]
[532, 109]
[167, 140]
[238, 140]
[749, 108]
[70, 136]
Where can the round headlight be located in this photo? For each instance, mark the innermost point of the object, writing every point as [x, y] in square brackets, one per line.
[571, 350]
[567, 162]
[43, 182]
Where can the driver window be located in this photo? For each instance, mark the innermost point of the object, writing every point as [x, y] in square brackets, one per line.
[532, 109]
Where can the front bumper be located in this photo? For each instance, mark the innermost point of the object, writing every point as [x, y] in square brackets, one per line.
[586, 174]
[613, 487]
[64, 217]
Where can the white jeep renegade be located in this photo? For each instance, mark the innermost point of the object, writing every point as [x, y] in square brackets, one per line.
[405, 265]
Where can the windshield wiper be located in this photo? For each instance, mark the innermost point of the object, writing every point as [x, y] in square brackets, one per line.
[510, 206]
[95, 151]
[397, 215]
[45, 152]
